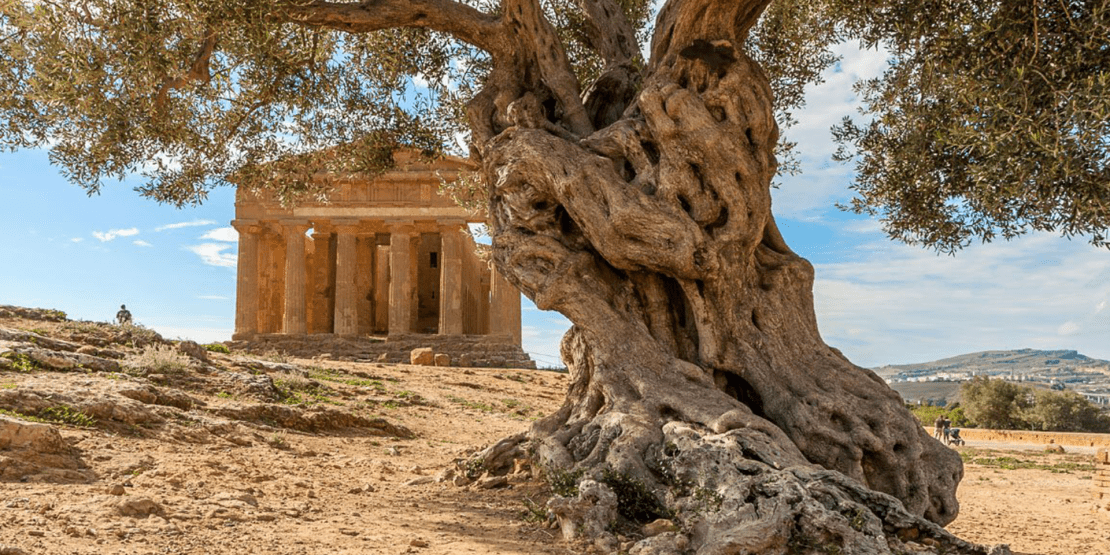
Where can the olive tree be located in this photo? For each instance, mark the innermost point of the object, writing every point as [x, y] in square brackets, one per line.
[626, 164]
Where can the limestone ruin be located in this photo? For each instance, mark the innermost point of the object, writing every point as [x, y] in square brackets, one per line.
[384, 256]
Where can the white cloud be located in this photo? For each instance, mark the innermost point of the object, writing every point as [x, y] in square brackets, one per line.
[141, 243]
[179, 225]
[212, 297]
[77, 239]
[222, 234]
[823, 182]
[105, 236]
[541, 333]
[914, 306]
[213, 254]
[1100, 307]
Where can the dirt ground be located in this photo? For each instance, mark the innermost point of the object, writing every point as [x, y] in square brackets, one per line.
[201, 484]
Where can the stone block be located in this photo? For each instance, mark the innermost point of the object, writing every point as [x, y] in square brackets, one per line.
[423, 356]
[442, 359]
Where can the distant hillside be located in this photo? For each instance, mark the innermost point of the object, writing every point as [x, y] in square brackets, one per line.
[992, 363]
[1060, 368]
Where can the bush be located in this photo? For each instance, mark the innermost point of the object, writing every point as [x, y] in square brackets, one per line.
[1006, 405]
[996, 404]
[217, 348]
[927, 414]
[157, 359]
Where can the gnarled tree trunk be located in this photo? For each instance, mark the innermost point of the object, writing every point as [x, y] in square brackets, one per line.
[697, 367]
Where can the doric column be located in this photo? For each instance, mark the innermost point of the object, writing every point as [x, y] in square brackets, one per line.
[450, 279]
[296, 315]
[400, 286]
[346, 297]
[246, 286]
[505, 313]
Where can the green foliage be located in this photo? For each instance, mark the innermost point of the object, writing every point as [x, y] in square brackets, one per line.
[563, 482]
[60, 414]
[217, 348]
[22, 363]
[635, 501]
[63, 414]
[1065, 411]
[299, 390]
[534, 513]
[927, 414]
[996, 404]
[991, 121]
[1005, 405]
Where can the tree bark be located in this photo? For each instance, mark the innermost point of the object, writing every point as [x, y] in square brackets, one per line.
[697, 367]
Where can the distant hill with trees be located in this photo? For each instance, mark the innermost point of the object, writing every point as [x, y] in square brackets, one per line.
[938, 382]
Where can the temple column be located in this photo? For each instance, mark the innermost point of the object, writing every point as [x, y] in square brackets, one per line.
[450, 280]
[246, 286]
[346, 297]
[296, 316]
[504, 318]
[400, 286]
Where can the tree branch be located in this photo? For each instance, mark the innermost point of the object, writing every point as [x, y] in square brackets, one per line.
[458, 20]
[610, 32]
[198, 71]
[543, 44]
[680, 22]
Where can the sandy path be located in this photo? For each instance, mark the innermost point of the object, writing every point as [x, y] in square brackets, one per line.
[1036, 512]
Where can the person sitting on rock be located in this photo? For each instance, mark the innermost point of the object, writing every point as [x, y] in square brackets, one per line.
[123, 317]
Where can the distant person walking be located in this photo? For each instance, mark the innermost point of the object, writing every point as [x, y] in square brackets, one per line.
[123, 317]
[947, 429]
[938, 425]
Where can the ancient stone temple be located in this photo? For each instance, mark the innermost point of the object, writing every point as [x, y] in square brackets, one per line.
[383, 256]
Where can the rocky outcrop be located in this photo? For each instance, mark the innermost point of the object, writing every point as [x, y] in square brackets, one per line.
[32, 451]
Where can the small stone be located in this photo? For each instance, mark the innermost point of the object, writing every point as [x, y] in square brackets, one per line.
[461, 480]
[420, 481]
[116, 489]
[444, 475]
[11, 550]
[141, 507]
[442, 359]
[418, 543]
[659, 526]
[423, 356]
[491, 482]
[358, 490]
[393, 451]
[36, 533]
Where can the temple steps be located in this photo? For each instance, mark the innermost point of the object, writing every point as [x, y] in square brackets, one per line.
[485, 351]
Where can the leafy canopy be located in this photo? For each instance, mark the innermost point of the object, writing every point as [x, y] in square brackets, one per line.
[992, 119]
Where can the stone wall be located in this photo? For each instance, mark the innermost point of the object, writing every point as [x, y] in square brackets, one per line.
[1033, 437]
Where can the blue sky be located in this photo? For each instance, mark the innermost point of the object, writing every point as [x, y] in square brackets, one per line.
[878, 301]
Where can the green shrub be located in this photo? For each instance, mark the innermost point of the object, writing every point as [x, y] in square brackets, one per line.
[217, 348]
[635, 501]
